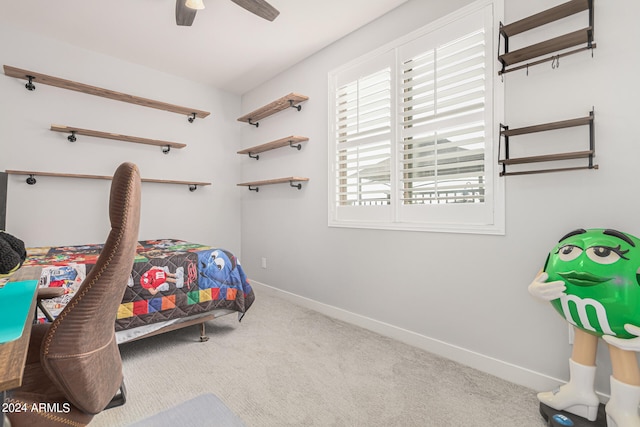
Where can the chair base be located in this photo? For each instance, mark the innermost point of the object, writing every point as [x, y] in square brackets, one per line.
[119, 399]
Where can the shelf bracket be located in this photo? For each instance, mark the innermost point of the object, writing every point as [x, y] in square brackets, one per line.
[31, 180]
[256, 189]
[72, 137]
[592, 138]
[297, 107]
[506, 145]
[506, 49]
[192, 117]
[193, 187]
[166, 149]
[256, 124]
[29, 85]
[298, 185]
[299, 146]
[257, 156]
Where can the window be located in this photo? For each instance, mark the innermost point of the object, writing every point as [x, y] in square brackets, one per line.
[363, 127]
[413, 131]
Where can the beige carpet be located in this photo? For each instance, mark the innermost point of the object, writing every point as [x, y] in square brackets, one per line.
[285, 365]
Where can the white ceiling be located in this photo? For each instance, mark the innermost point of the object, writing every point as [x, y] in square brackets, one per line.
[226, 47]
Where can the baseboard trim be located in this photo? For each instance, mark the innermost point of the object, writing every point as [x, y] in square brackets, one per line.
[501, 369]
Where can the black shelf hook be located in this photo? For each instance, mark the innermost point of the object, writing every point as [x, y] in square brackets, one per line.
[29, 85]
[299, 146]
[72, 137]
[31, 179]
[256, 189]
[256, 124]
[297, 107]
[166, 149]
[193, 187]
[192, 117]
[257, 156]
[298, 185]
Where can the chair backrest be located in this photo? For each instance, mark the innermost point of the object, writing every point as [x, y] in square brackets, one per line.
[79, 352]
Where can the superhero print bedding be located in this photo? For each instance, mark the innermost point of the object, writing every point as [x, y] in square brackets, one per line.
[171, 280]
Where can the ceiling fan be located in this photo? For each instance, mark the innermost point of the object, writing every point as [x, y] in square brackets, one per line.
[186, 10]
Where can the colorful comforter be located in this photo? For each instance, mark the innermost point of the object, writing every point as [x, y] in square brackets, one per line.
[170, 279]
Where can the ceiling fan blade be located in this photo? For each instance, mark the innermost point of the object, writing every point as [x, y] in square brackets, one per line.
[259, 7]
[184, 14]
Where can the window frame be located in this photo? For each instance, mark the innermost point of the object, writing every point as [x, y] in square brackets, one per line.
[482, 218]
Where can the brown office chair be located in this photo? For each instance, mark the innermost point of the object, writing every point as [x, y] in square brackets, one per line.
[73, 366]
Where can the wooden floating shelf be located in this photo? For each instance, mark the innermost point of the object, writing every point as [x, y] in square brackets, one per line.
[254, 185]
[283, 142]
[548, 126]
[56, 174]
[572, 39]
[31, 180]
[291, 100]
[548, 158]
[545, 17]
[529, 172]
[34, 77]
[546, 47]
[109, 135]
[171, 181]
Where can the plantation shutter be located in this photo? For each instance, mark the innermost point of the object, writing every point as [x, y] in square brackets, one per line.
[442, 120]
[413, 130]
[363, 135]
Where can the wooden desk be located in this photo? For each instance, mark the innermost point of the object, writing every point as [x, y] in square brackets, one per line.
[13, 354]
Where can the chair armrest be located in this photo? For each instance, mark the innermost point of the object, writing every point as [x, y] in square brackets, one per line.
[48, 293]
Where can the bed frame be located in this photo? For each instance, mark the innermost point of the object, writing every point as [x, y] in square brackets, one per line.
[3, 200]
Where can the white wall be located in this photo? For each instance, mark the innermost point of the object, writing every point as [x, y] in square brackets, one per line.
[59, 211]
[464, 296]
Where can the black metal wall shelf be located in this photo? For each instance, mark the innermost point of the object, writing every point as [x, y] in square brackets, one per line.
[291, 100]
[589, 154]
[572, 39]
[294, 181]
[31, 180]
[291, 141]
[33, 76]
[73, 131]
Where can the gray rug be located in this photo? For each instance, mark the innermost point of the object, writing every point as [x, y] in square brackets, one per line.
[203, 411]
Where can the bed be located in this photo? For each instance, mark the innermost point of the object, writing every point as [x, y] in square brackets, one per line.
[173, 284]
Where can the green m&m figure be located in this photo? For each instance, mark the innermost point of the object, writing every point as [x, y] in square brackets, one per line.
[600, 270]
[591, 278]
